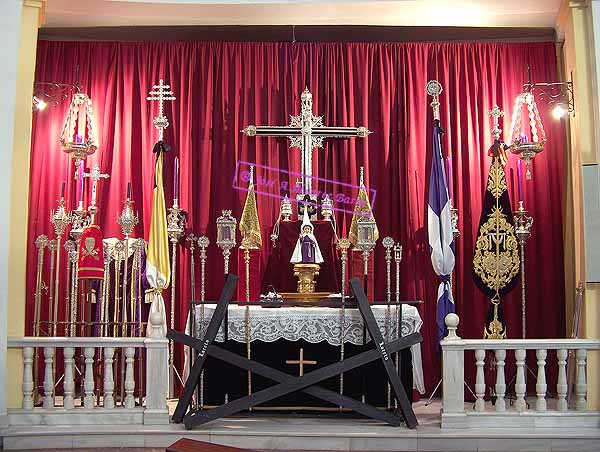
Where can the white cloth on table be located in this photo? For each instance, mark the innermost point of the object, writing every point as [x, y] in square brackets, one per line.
[317, 324]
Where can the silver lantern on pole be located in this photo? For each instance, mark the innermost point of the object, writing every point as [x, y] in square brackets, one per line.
[226, 226]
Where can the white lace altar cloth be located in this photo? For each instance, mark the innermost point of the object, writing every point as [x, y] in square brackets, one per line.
[316, 324]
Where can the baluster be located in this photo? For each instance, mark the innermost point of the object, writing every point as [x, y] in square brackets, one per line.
[581, 386]
[520, 387]
[480, 380]
[69, 384]
[540, 386]
[129, 381]
[561, 385]
[48, 378]
[88, 385]
[109, 382]
[500, 381]
[27, 385]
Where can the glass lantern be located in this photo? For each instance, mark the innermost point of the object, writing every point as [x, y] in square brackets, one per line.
[366, 234]
[226, 226]
[78, 137]
[327, 208]
[524, 145]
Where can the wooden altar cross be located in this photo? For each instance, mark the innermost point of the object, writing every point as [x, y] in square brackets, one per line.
[287, 383]
[301, 362]
[306, 131]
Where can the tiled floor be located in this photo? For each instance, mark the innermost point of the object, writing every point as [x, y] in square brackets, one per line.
[307, 432]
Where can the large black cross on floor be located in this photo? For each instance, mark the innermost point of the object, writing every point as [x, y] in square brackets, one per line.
[287, 383]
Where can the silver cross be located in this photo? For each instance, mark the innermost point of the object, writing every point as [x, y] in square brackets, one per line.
[161, 93]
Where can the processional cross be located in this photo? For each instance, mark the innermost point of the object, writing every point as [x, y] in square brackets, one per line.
[95, 175]
[306, 132]
[161, 92]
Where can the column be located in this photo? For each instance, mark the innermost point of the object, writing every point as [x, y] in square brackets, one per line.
[578, 25]
[19, 22]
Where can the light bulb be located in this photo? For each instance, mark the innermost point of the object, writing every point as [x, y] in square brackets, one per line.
[559, 111]
[39, 103]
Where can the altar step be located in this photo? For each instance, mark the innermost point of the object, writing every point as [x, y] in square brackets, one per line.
[300, 433]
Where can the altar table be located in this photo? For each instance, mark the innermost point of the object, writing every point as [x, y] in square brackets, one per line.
[314, 325]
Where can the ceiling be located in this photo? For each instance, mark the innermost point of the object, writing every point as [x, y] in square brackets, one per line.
[458, 13]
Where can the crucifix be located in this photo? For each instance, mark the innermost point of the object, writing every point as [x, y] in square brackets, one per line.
[161, 92]
[306, 132]
[496, 113]
[301, 362]
[95, 175]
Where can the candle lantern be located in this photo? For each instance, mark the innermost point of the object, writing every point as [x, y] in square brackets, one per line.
[524, 145]
[327, 208]
[286, 208]
[366, 234]
[78, 137]
[226, 226]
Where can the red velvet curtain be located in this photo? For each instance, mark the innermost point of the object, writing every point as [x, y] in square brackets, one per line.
[221, 87]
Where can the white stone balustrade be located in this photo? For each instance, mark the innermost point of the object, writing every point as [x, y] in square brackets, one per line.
[524, 413]
[87, 365]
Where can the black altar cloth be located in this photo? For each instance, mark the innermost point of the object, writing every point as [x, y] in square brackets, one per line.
[280, 272]
[221, 378]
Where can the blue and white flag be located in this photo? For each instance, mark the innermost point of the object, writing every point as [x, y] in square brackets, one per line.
[439, 228]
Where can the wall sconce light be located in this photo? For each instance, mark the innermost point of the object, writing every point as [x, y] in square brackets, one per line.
[558, 96]
[46, 93]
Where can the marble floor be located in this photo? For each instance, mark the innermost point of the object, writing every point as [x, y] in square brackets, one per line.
[303, 432]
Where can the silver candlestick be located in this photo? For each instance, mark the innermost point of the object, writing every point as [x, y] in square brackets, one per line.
[59, 219]
[128, 219]
[523, 224]
[175, 230]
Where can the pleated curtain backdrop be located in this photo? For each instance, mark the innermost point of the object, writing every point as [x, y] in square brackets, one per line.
[223, 86]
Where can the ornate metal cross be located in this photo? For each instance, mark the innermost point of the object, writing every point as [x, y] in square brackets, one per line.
[161, 92]
[95, 175]
[496, 113]
[306, 132]
[301, 362]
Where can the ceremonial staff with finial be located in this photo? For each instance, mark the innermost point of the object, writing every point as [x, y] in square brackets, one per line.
[59, 219]
[523, 221]
[397, 259]
[127, 220]
[191, 320]
[251, 239]
[203, 243]
[388, 244]
[158, 267]
[343, 244]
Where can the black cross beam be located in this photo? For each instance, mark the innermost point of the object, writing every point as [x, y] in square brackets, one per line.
[288, 383]
[202, 345]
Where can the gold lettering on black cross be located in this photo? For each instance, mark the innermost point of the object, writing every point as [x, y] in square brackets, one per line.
[301, 362]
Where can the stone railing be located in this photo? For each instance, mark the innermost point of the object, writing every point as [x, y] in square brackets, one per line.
[77, 379]
[540, 410]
